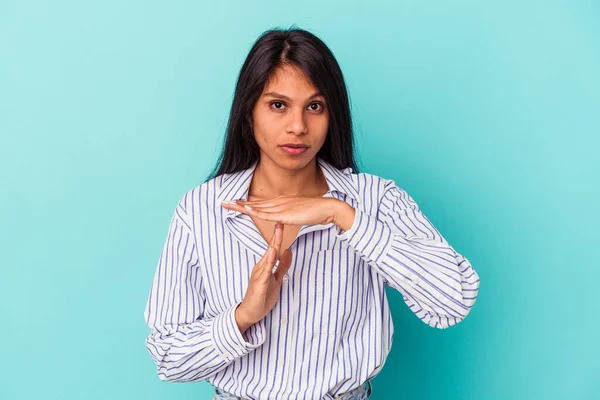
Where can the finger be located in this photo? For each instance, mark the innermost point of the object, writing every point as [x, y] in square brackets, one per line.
[278, 238]
[266, 208]
[268, 216]
[254, 202]
[281, 217]
[260, 264]
[262, 270]
[258, 212]
[274, 200]
[265, 216]
[273, 238]
[268, 266]
[285, 261]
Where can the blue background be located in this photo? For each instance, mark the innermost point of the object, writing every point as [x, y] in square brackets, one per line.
[487, 113]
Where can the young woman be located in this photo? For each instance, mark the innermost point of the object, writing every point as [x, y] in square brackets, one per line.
[271, 283]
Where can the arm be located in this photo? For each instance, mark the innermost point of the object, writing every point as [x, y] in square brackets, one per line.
[439, 285]
[184, 345]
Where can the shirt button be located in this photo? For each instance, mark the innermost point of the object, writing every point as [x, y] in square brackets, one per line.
[284, 320]
[280, 362]
[227, 355]
[286, 277]
[378, 248]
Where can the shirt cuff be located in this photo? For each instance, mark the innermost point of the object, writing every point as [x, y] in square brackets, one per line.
[368, 236]
[228, 339]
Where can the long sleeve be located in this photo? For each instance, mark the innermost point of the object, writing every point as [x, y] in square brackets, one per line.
[184, 345]
[439, 285]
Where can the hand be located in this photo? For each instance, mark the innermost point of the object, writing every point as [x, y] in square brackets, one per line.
[291, 210]
[264, 286]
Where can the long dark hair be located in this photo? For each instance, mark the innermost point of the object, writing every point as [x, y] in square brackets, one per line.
[273, 49]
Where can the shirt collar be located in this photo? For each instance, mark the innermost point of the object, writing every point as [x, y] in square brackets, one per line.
[235, 185]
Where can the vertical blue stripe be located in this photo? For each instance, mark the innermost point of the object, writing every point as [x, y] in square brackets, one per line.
[331, 329]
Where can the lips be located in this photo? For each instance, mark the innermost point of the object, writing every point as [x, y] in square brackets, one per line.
[293, 149]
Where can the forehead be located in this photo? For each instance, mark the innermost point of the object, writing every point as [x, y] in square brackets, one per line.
[289, 80]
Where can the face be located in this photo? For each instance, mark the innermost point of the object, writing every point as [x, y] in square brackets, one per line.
[290, 111]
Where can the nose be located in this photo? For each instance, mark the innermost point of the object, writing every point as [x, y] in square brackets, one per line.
[297, 125]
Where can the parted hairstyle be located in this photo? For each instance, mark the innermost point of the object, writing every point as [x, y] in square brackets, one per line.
[273, 49]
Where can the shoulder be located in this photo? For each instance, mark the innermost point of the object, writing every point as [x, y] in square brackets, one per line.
[371, 186]
[380, 192]
[200, 197]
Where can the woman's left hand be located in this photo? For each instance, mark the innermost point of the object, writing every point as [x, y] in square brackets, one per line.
[290, 210]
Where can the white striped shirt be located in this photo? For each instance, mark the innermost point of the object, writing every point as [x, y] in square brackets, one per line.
[331, 329]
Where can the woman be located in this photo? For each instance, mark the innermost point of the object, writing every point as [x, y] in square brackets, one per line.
[271, 282]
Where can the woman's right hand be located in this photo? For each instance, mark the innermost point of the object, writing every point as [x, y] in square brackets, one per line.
[264, 287]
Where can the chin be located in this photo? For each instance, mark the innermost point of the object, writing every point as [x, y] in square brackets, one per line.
[292, 162]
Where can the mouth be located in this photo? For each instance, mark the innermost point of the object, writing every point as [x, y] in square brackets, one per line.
[293, 149]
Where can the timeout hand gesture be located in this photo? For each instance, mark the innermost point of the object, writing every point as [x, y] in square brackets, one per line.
[289, 210]
[264, 287]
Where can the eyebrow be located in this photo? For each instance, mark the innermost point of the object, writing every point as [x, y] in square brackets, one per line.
[275, 94]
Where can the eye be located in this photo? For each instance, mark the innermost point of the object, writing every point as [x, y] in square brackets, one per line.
[318, 105]
[278, 105]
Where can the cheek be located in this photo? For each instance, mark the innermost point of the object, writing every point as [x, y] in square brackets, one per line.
[264, 127]
[320, 127]
[266, 133]
[269, 128]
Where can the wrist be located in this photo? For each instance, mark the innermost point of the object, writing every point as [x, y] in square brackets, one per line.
[343, 215]
[241, 321]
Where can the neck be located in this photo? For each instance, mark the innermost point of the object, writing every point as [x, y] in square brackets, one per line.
[270, 180]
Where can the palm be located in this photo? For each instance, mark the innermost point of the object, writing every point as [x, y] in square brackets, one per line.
[273, 286]
[265, 286]
[289, 210]
[273, 291]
